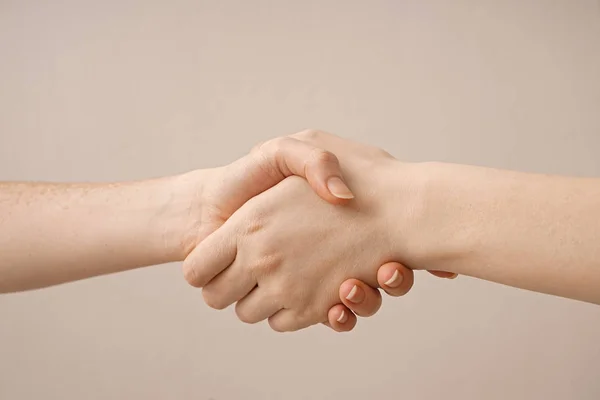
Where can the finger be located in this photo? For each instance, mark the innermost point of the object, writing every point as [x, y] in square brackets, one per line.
[360, 297]
[256, 306]
[287, 320]
[340, 319]
[395, 278]
[444, 274]
[215, 253]
[321, 168]
[331, 142]
[271, 162]
[229, 286]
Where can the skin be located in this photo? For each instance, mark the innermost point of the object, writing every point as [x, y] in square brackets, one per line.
[530, 231]
[276, 250]
[57, 233]
[263, 220]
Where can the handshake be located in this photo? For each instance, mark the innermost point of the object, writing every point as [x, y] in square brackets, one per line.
[306, 228]
[303, 230]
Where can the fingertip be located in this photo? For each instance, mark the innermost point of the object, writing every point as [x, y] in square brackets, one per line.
[341, 319]
[321, 189]
[324, 170]
[350, 290]
[359, 297]
[391, 275]
[338, 188]
[321, 168]
[395, 278]
[444, 274]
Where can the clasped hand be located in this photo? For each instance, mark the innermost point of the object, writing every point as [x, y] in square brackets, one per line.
[290, 250]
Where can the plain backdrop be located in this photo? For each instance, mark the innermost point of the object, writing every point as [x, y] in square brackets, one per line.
[119, 90]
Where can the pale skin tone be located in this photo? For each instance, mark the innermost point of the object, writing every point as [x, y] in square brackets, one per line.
[57, 233]
[530, 231]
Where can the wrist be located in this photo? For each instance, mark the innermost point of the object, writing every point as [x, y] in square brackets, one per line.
[443, 233]
[181, 216]
[422, 214]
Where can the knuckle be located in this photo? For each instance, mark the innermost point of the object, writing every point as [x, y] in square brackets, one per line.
[265, 265]
[272, 147]
[255, 224]
[382, 153]
[320, 156]
[258, 147]
[280, 292]
[255, 218]
[308, 134]
[274, 152]
[278, 143]
[277, 293]
[267, 146]
[267, 156]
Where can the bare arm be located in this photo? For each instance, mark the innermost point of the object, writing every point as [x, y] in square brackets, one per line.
[531, 231]
[52, 233]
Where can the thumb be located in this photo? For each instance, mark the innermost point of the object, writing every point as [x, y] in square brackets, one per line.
[321, 168]
[273, 161]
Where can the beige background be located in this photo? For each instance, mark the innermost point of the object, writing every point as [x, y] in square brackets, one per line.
[114, 90]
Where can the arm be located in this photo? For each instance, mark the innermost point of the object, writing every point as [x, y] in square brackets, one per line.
[288, 263]
[287, 256]
[55, 233]
[530, 231]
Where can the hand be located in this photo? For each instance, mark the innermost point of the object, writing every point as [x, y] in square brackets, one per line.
[264, 249]
[219, 192]
[394, 278]
[225, 189]
[369, 298]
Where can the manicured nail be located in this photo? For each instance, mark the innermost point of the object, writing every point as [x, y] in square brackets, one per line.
[395, 280]
[355, 295]
[343, 318]
[338, 188]
[453, 276]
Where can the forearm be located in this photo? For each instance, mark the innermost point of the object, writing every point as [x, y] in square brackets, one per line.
[54, 233]
[530, 231]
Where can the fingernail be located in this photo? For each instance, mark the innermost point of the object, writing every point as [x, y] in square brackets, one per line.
[395, 280]
[453, 276]
[343, 318]
[355, 295]
[338, 188]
